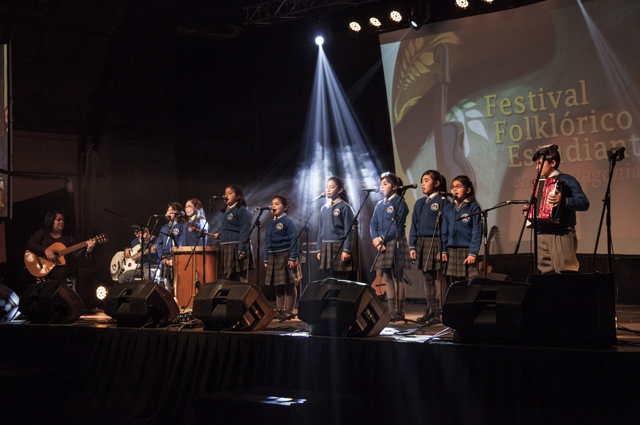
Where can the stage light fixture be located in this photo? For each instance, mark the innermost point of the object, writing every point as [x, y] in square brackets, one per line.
[375, 22]
[419, 15]
[489, 1]
[319, 40]
[462, 3]
[354, 26]
[101, 292]
[395, 16]
[9, 302]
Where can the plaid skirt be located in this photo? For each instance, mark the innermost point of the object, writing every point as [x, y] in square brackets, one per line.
[455, 265]
[424, 261]
[327, 253]
[387, 258]
[228, 255]
[278, 275]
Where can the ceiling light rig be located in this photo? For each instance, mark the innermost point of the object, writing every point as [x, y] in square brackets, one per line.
[462, 3]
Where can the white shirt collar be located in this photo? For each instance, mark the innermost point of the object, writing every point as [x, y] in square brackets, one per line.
[231, 206]
[279, 217]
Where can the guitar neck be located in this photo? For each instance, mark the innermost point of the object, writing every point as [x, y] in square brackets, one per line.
[73, 248]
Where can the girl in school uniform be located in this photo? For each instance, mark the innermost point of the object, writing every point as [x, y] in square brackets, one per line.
[424, 240]
[196, 220]
[234, 232]
[394, 252]
[461, 239]
[335, 218]
[281, 234]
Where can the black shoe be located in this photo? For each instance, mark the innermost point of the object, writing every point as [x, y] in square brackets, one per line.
[428, 315]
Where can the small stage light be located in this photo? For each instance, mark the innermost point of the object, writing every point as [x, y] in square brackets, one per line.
[319, 40]
[354, 26]
[489, 1]
[462, 3]
[395, 16]
[375, 22]
[101, 292]
[419, 15]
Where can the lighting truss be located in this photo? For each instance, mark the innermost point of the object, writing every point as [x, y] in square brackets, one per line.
[276, 11]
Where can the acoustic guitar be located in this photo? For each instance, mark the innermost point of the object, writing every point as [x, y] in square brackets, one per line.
[40, 266]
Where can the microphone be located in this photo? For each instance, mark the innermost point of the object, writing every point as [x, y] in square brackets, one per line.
[449, 194]
[219, 197]
[322, 195]
[180, 214]
[408, 186]
[617, 154]
[262, 208]
[516, 202]
[374, 190]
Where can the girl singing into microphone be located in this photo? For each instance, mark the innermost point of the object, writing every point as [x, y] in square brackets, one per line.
[281, 233]
[461, 238]
[394, 251]
[335, 218]
[424, 240]
[234, 232]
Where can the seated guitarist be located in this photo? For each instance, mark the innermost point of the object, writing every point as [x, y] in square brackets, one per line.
[146, 262]
[41, 241]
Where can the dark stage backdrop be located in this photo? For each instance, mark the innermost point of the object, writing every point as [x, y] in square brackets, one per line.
[558, 71]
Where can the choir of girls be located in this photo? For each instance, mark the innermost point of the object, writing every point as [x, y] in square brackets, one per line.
[451, 250]
[424, 241]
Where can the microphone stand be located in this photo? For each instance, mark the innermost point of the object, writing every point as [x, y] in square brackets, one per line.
[606, 206]
[304, 228]
[483, 219]
[353, 226]
[438, 231]
[256, 224]
[533, 202]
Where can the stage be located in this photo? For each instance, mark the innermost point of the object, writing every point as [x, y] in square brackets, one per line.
[92, 372]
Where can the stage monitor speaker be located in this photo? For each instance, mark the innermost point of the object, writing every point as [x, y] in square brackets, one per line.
[571, 310]
[228, 305]
[484, 310]
[342, 308]
[51, 302]
[140, 303]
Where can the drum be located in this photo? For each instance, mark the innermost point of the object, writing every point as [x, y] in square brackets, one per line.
[184, 281]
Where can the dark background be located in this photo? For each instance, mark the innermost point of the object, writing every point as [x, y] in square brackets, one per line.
[140, 103]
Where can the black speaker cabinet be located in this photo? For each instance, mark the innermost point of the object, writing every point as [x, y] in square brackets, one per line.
[227, 305]
[51, 302]
[140, 303]
[342, 308]
[571, 310]
[552, 310]
[485, 310]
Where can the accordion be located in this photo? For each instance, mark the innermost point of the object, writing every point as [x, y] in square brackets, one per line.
[546, 213]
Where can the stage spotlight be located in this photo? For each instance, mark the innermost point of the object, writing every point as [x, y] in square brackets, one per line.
[319, 40]
[8, 304]
[489, 1]
[419, 15]
[101, 292]
[395, 16]
[462, 3]
[375, 22]
[354, 26]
